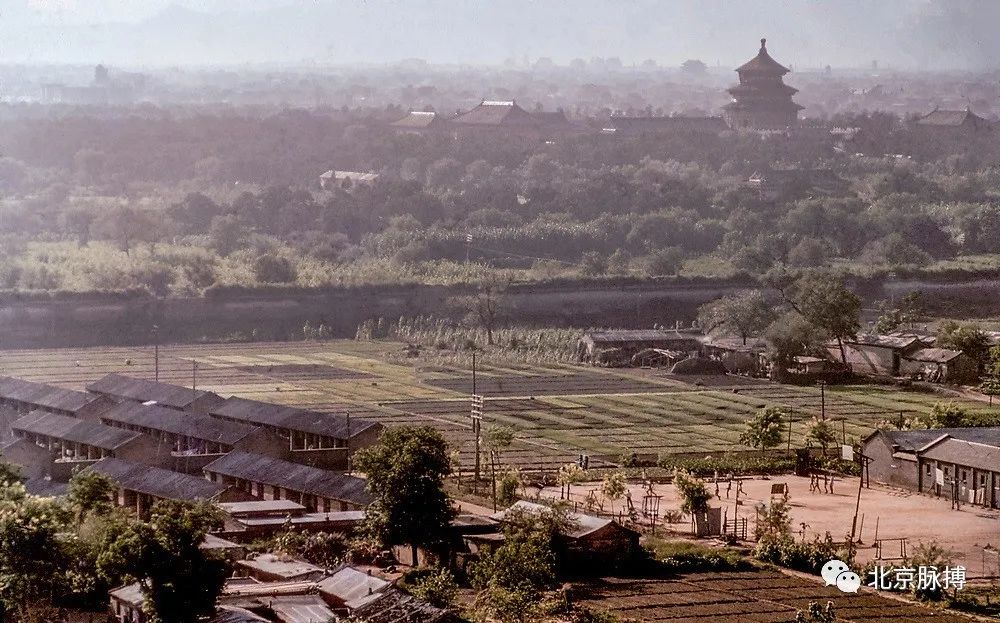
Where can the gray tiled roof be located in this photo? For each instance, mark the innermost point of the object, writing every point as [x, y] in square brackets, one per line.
[157, 482]
[292, 476]
[45, 395]
[71, 429]
[291, 418]
[192, 425]
[143, 390]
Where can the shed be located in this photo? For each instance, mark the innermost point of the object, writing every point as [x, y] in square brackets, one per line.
[275, 568]
[940, 365]
[593, 542]
[631, 341]
[126, 604]
[348, 584]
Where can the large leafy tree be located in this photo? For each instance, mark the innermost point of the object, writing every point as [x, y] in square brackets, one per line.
[763, 430]
[31, 555]
[823, 300]
[969, 339]
[180, 581]
[406, 471]
[744, 315]
[90, 492]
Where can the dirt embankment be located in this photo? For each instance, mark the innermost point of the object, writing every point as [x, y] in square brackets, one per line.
[92, 320]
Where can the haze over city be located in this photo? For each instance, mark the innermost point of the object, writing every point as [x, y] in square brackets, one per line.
[911, 34]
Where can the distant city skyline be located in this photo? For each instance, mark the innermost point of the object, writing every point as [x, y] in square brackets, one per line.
[936, 34]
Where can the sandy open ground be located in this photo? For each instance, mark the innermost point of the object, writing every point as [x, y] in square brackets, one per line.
[898, 514]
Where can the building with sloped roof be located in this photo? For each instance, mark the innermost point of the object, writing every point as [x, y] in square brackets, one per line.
[940, 365]
[267, 478]
[626, 343]
[75, 442]
[313, 437]
[876, 355]
[507, 117]
[126, 603]
[191, 436]
[761, 100]
[588, 542]
[347, 586]
[418, 122]
[139, 487]
[119, 387]
[959, 462]
[22, 397]
[395, 606]
[953, 121]
[279, 568]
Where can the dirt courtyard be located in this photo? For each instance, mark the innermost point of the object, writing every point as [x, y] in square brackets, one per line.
[897, 514]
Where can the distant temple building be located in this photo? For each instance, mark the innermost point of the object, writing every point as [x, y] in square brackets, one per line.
[953, 123]
[762, 101]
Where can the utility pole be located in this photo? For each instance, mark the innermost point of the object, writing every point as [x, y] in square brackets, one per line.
[194, 379]
[348, 442]
[857, 507]
[156, 352]
[477, 419]
[822, 399]
[790, 412]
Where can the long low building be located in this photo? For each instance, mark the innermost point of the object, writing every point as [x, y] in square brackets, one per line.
[267, 478]
[313, 437]
[964, 462]
[139, 486]
[25, 396]
[71, 439]
[119, 387]
[192, 433]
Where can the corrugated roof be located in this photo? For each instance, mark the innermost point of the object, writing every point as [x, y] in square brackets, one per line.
[349, 583]
[71, 429]
[292, 476]
[933, 355]
[45, 395]
[143, 390]
[291, 418]
[763, 63]
[395, 606]
[262, 507]
[192, 425]
[282, 566]
[231, 614]
[130, 594]
[157, 482]
[301, 609]
[884, 341]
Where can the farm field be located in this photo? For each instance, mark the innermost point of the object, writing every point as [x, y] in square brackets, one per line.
[557, 410]
[742, 597]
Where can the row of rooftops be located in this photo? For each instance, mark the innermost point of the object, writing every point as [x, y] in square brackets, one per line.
[172, 408]
[273, 587]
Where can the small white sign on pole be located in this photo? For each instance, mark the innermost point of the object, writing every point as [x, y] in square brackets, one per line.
[939, 477]
[847, 452]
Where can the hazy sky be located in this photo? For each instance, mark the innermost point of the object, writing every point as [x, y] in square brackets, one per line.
[805, 33]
